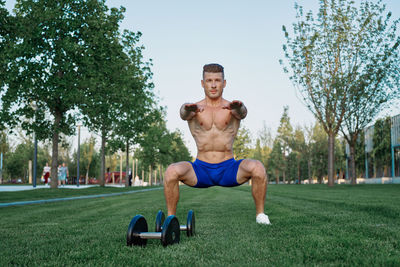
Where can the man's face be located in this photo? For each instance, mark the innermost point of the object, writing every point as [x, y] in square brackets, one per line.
[213, 84]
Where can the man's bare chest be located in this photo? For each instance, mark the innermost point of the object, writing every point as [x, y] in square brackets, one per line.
[216, 118]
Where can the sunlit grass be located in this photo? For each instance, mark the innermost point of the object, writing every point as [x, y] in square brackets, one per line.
[311, 225]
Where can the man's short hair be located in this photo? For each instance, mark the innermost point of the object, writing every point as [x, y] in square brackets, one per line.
[214, 68]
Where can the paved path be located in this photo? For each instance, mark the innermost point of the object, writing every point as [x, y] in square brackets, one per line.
[20, 203]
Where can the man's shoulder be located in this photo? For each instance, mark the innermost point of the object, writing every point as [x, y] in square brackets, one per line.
[225, 102]
[201, 102]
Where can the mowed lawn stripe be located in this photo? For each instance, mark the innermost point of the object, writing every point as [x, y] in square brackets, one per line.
[43, 201]
[48, 193]
[305, 230]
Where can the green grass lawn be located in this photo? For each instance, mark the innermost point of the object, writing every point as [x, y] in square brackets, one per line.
[311, 225]
[47, 193]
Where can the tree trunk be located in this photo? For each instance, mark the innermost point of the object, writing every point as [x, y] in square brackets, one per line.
[127, 165]
[284, 177]
[54, 156]
[309, 171]
[331, 158]
[150, 175]
[87, 176]
[352, 163]
[88, 168]
[103, 158]
[298, 173]
[277, 176]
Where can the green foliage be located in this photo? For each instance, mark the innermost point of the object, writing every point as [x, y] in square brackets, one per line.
[89, 160]
[276, 162]
[298, 169]
[48, 75]
[7, 40]
[4, 142]
[285, 131]
[360, 156]
[319, 151]
[119, 101]
[382, 145]
[340, 156]
[285, 136]
[158, 146]
[343, 61]
[16, 164]
[263, 146]
[242, 143]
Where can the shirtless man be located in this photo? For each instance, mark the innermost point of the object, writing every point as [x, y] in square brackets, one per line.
[214, 122]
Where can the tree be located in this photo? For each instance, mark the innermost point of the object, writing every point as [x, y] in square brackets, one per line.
[285, 136]
[7, 41]
[178, 149]
[299, 152]
[4, 149]
[276, 161]
[263, 147]
[159, 146]
[17, 163]
[360, 155]
[319, 151]
[105, 66]
[307, 153]
[325, 57]
[257, 151]
[242, 143]
[374, 71]
[4, 142]
[47, 67]
[340, 157]
[88, 155]
[138, 97]
[382, 144]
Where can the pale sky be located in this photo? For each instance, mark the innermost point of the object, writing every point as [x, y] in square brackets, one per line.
[244, 36]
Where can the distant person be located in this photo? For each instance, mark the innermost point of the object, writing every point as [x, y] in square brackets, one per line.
[214, 123]
[130, 177]
[63, 174]
[59, 174]
[46, 173]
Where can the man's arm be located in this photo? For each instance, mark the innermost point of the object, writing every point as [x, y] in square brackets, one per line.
[238, 109]
[188, 111]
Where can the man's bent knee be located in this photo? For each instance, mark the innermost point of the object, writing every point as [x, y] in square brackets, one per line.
[180, 171]
[171, 174]
[258, 170]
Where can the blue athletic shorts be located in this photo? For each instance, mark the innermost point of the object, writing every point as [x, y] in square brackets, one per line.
[210, 174]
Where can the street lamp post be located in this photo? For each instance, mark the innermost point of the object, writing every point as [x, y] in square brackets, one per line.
[34, 160]
[1, 167]
[34, 107]
[79, 155]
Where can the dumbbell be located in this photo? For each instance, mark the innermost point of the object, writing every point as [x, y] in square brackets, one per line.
[137, 232]
[189, 227]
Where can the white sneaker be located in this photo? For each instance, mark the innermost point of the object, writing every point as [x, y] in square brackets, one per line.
[262, 218]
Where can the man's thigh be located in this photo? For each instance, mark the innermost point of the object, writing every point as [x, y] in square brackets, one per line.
[185, 173]
[245, 170]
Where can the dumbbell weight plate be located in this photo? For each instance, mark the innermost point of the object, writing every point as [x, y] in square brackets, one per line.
[137, 225]
[170, 231]
[159, 220]
[190, 224]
